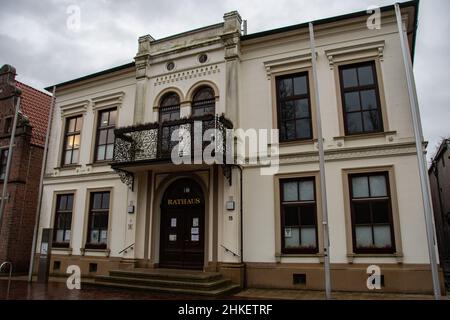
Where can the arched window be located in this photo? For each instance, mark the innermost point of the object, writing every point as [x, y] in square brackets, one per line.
[203, 102]
[169, 108]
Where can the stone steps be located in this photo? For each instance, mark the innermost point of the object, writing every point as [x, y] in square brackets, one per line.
[197, 283]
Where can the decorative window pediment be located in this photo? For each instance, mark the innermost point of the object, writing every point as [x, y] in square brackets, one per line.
[108, 100]
[353, 52]
[74, 108]
[287, 64]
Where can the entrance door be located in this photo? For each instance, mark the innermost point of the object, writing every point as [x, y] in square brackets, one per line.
[182, 226]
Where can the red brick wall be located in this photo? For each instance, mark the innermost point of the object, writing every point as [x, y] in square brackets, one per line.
[16, 231]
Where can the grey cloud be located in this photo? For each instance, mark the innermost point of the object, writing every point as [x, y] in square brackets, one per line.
[34, 38]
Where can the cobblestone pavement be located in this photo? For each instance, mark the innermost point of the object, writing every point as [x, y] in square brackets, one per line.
[22, 290]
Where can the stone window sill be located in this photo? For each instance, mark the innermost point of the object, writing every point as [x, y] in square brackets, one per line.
[397, 256]
[66, 168]
[87, 250]
[279, 256]
[366, 136]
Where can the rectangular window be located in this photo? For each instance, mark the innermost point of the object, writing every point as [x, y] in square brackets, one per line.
[72, 136]
[298, 216]
[63, 220]
[360, 99]
[372, 225]
[3, 161]
[98, 220]
[105, 135]
[294, 110]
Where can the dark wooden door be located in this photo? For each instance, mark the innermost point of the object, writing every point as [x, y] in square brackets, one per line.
[182, 231]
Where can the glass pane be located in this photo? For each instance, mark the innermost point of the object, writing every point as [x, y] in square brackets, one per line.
[352, 101]
[105, 201]
[378, 186]
[102, 136]
[75, 156]
[68, 157]
[360, 187]
[306, 190]
[103, 236]
[285, 88]
[382, 236]
[290, 191]
[71, 125]
[300, 86]
[308, 238]
[67, 235]
[97, 201]
[369, 100]
[68, 220]
[365, 75]
[69, 142]
[291, 216]
[79, 124]
[112, 117]
[61, 220]
[301, 108]
[354, 123]
[380, 211]
[94, 236]
[287, 110]
[164, 117]
[307, 216]
[62, 202]
[104, 119]
[69, 202]
[362, 213]
[303, 129]
[101, 152]
[60, 236]
[109, 151]
[110, 136]
[291, 237]
[290, 130]
[349, 78]
[371, 121]
[76, 141]
[363, 237]
[100, 221]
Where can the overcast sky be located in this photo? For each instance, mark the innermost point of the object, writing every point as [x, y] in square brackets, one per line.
[35, 39]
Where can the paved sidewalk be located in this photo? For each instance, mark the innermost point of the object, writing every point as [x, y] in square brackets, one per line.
[57, 290]
[272, 294]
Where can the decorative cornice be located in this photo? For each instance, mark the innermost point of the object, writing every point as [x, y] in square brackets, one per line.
[272, 65]
[115, 98]
[74, 108]
[375, 48]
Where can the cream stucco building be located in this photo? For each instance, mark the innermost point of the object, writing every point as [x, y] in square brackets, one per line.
[120, 203]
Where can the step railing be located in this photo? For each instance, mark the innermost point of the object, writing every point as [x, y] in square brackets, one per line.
[125, 250]
[228, 250]
[7, 263]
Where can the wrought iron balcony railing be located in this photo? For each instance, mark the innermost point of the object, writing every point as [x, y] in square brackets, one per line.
[152, 142]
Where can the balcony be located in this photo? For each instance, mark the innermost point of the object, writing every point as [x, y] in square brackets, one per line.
[152, 143]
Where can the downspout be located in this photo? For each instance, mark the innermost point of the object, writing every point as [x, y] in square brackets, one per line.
[241, 210]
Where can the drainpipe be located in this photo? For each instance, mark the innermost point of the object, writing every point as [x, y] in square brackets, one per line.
[242, 224]
[38, 210]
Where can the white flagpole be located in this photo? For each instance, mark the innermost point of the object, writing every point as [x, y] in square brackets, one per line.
[41, 186]
[418, 135]
[323, 189]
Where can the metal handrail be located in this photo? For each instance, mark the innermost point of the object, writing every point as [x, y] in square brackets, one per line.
[124, 250]
[9, 277]
[228, 250]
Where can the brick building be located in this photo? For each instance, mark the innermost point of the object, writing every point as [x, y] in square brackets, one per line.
[439, 173]
[17, 225]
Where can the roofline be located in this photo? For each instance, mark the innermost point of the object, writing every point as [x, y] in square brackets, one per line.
[90, 76]
[413, 3]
